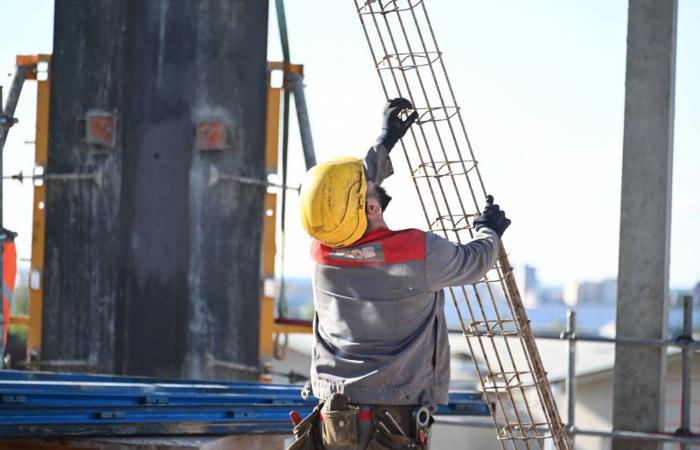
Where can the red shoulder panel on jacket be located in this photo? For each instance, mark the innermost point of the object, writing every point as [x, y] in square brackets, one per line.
[377, 247]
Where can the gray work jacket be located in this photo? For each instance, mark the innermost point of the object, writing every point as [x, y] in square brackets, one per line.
[380, 335]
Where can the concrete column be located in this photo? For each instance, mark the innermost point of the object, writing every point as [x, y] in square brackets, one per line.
[645, 221]
[155, 271]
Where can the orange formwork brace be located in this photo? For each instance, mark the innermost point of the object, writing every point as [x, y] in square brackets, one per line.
[36, 291]
[34, 319]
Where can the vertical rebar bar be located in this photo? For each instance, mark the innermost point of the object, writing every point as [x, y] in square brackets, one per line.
[686, 367]
[571, 375]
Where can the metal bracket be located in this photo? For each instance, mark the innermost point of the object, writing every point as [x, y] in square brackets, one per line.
[211, 135]
[153, 400]
[16, 399]
[100, 127]
[38, 176]
[7, 121]
[6, 235]
[215, 176]
[111, 415]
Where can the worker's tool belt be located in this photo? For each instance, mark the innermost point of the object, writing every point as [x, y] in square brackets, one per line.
[343, 426]
[307, 433]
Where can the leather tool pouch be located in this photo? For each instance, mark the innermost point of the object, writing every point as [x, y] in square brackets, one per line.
[384, 439]
[307, 432]
[339, 428]
[381, 440]
[339, 425]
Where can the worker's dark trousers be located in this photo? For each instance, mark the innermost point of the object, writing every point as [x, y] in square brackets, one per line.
[373, 427]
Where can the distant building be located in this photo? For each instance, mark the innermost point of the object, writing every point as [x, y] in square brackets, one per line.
[529, 286]
[551, 295]
[591, 293]
[696, 293]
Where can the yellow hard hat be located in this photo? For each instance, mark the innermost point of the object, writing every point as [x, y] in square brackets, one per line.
[333, 201]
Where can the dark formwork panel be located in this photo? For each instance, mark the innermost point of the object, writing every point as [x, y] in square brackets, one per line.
[156, 271]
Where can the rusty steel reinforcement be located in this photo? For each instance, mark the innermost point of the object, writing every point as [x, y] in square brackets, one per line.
[450, 188]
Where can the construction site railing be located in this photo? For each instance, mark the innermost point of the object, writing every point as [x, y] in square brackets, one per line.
[682, 436]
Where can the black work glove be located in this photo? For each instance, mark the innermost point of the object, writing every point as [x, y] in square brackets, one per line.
[393, 128]
[492, 217]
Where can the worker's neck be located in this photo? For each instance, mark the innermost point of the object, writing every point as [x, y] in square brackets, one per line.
[376, 224]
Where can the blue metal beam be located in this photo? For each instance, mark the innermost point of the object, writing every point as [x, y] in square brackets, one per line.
[49, 405]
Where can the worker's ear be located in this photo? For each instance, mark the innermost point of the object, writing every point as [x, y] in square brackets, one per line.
[373, 207]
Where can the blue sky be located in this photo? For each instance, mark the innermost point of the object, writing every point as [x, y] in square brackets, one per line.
[541, 86]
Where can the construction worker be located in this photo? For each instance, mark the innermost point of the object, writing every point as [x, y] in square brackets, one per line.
[380, 361]
[9, 273]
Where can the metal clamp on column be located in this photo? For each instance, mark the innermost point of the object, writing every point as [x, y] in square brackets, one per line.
[38, 176]
[215, 176]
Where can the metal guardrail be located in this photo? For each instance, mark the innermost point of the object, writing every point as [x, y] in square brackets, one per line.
[682, 436]
[685, 341]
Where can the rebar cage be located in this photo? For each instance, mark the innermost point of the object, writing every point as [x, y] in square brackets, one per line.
[446, 175]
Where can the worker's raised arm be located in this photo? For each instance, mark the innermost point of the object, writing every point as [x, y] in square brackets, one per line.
[452, 264]
[377, 162]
